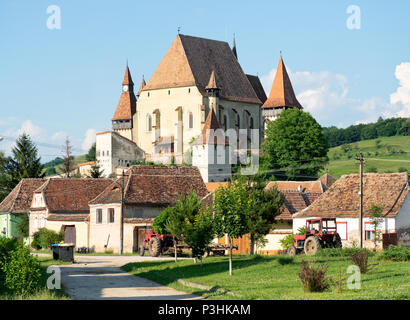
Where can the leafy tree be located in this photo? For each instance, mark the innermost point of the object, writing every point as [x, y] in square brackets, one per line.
[96, 172]
[160, 222]
[295, 146]
[25, 162]
[23, 225]
[376, 219]
[4, 178]
[91, 155]
[230, 218]
[264, 206]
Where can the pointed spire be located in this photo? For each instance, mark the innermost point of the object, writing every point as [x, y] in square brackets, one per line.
[208, 135]
[212, 82]
[234, 47]
[281, 94]
[127, 77]
[143, 84]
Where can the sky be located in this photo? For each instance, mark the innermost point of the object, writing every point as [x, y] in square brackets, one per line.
[62, 77]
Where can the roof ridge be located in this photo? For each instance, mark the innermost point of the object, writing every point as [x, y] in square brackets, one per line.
[17, 194]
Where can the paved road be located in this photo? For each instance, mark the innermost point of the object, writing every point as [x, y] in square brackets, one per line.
[100, 278]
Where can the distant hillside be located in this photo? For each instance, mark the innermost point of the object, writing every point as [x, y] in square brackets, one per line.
[386, 154]
[53, 167]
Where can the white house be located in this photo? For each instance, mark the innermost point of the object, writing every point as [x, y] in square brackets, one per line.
[342, 201]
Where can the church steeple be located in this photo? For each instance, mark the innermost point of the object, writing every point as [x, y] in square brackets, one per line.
[234, 48]
[281, 94]
[127, 83]
[142, 85]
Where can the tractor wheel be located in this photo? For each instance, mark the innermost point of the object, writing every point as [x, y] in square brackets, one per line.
[337, 242]
[141, 250]
[292, 251]
[154, 247]
[312, 245]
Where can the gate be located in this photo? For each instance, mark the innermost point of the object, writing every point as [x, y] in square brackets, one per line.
[69, 234]
[389, 239]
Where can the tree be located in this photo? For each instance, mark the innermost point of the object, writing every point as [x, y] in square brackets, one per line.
[264, 206]
[96, 172]
[90, 156]
[175, 226]
[230, 217]
[376, 219]
[4, 178]
[68, 166]
[25, 162]
[23, 225]
[295, 146]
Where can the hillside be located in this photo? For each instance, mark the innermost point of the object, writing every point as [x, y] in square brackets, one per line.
[51, 168]
[384, 154]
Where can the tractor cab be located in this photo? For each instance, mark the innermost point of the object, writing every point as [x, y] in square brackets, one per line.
[322, 227]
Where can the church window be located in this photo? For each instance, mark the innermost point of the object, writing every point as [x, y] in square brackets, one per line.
[108, 153]
[238, 121]
[191, 120]
[148, 94]
[169, 92]
[189, 90]
[226, 122]
[103, 153]
[149, 122]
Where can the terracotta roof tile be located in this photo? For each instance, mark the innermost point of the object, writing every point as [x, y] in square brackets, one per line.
[71, 195]
[295, 202]
[301, 186]
[154, 185]
[142, 86]
[126, 107]
[190, 61]
[281, 94]
[20, 198]
[342, 198]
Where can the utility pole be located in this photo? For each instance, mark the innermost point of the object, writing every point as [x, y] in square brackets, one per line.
[361, 200]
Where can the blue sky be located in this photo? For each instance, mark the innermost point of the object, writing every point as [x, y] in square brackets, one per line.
[55, 83]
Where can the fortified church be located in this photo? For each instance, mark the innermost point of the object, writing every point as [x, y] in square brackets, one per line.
[198, 88]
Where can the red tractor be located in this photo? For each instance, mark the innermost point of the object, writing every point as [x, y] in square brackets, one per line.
[319, 233]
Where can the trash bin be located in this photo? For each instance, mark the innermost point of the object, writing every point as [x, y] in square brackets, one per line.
[63, 251]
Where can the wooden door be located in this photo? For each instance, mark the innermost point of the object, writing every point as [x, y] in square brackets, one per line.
[70, 234]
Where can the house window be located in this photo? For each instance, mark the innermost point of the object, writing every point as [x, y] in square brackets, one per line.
[111, 215]
[342, 230]
[99, 215]
[189, 90]
[4, 231]
[191, 120]
[169, 92]
[368, 231]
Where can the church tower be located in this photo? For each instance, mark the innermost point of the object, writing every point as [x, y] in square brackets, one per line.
[122, 121]
[281, 96]
[211, 151]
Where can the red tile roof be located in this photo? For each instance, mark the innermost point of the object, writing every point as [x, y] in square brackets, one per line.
[281, 94]
[154, 185]
[342, 199]
[20, 198]
[71, 195]
[295, 202]
[300, 186]
[126, 107]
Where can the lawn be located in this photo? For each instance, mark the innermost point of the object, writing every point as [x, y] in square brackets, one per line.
[392, 153]
[274, 277]
[42, 293]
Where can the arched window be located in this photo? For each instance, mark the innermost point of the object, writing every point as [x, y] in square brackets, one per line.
[251, 123]
[226, 124]
[148, 122]
[190, 120]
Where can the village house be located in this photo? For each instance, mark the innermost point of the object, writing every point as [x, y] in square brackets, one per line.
[147, 191]
[342, 201]
[62, 205]
[15, 205]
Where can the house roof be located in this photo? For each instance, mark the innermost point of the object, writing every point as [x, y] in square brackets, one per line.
[20, 198]
[212, 186]
[154, 185]
[71, 195]
[295, 202]
[327, 180]
[281, 94]
[298, 186]
[342, 198]
[142, 85]
[190, 62]
[126, 107]
[89, 163]
[210, 132]
[212, 82]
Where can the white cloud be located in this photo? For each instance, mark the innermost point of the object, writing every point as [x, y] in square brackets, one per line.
[401, 98]
[326, 96]
[88, 140]
[30, 129]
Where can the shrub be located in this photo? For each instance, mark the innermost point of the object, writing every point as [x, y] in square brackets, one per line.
[22, 271]
[314, 278]
[361, 259]
[44, 238]
[341, 252]
[287, 241]
[395, 253]
[371, 170]
[402, 169]
[7, 245]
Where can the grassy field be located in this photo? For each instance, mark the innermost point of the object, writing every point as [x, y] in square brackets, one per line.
[42, 293]
[274, 277]
[391, 154]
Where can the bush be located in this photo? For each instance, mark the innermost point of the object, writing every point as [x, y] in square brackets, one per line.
[361, 259]
[314, 278]
[44, 238]
[395, 253]
[341, 252]
[7, 245]
[22, 271]
[402, 169]
[287, 241]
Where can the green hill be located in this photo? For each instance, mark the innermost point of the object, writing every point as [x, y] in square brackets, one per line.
[384, 154]
[53, 167]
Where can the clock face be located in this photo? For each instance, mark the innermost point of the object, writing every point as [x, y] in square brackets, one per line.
[125, 88]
